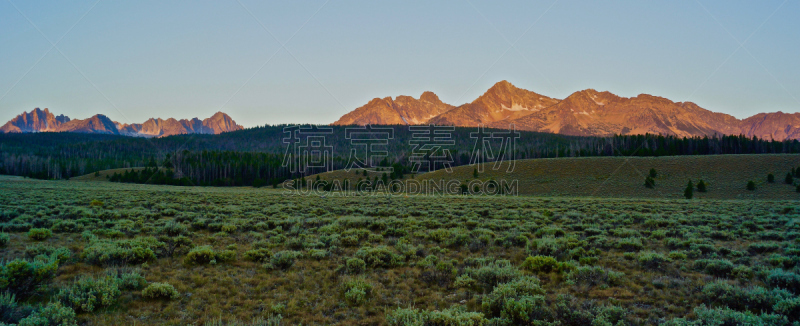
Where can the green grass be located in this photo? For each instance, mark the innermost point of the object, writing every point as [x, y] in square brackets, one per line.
[102, 174]
[726, 176]
[374, 260]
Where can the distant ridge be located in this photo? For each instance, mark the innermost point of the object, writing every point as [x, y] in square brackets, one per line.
[44, 121]
[583, 113]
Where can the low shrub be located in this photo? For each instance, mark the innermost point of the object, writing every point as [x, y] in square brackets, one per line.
[4, 238]
[452, 316]
[271, 320]
[677, 255]
[754, 298]
[356, 291]
[653, 260]
[39, 234]
[727, 316]
[10, 311]
[53, 314]
[762, 247]
[24, 278]
[629, 244]
[355, 265]
[716, 267]
[594, 275]
[46, 251]
[380, 256]
[160, 291]
[258, 255]
[284, 259]
[207, 255]
[784, 280]
[130, 280]
[789, 307]
[317, 254]
[491, 274]
[541, 264]
[87, 294]
[121, 252]
[516, 300]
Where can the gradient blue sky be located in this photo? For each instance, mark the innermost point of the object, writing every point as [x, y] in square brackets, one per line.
[133, 60]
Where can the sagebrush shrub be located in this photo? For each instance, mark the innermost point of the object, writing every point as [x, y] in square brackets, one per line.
[716, 267]
[754, 298]
[356, 291]
[355, 265]
[503, 298]
[784, 280]
[120, 252]
[380, 256]
[629, 244]
[53, 314]
[23, 278]
[594, 275]
[160, 291]
[284, 259]
[543, 264]
[258, 255]
[653, 260]
[87, 294]
[200, 255]
[10, 311]
[39, 234]
[496, 272]
[452, 316]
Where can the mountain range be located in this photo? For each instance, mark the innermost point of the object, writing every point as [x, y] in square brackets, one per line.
[44, 121]
[583, 113]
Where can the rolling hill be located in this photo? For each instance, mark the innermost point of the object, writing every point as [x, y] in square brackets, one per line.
[623, 177]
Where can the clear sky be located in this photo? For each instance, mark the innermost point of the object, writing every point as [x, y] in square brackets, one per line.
[133, 60]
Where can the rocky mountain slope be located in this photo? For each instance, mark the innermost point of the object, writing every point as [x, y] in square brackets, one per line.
[502, 101]
[403, 110]
[586, 113]
[44, 121]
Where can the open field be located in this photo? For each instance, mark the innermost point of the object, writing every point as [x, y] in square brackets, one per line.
[726, 176]
[102, 249]
[104, 174]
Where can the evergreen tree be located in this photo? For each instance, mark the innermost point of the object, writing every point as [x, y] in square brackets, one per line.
[475, 173]
[701, 186]
[649, 182]
[771, 178]
[751, 185]
[689, 191]
[789, 179]
[653, 173]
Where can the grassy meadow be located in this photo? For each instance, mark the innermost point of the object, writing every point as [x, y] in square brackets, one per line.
[102, 253]
[726, 176]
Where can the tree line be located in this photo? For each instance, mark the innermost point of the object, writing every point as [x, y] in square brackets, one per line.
[257, 156]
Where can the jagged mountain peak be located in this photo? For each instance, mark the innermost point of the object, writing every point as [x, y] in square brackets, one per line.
[403, 110]
[588, 112]
[44, 121]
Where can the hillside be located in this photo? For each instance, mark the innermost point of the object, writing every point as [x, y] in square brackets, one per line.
[623, 177]
[103, 174]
